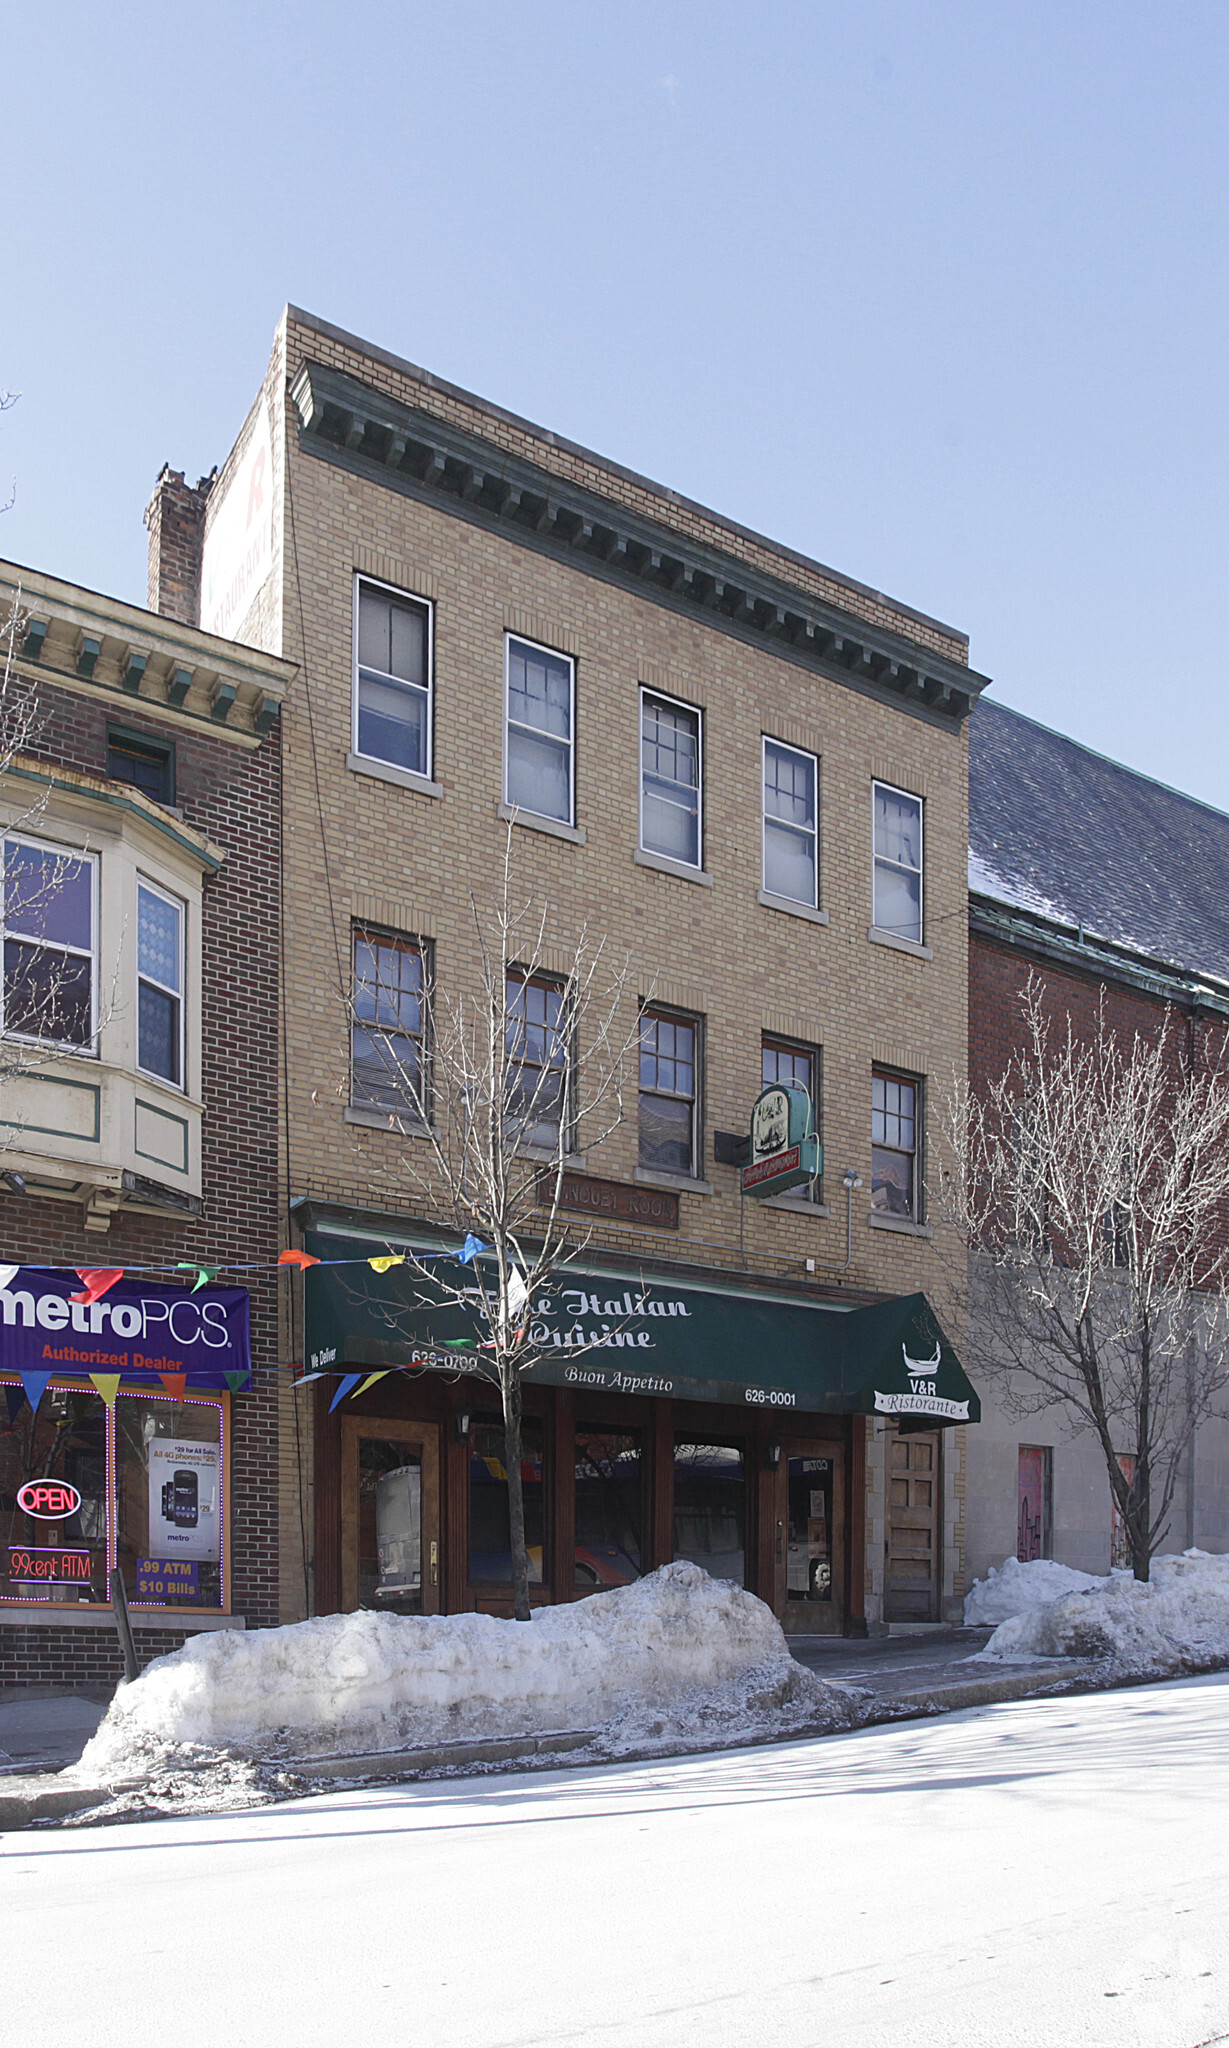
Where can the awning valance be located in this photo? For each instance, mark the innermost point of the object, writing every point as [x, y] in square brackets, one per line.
[620, 1333]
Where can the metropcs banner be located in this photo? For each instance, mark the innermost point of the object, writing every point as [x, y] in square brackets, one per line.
[136, 1329]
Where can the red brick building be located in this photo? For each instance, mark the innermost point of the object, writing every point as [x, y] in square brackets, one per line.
[1115, 890]
[140, 783]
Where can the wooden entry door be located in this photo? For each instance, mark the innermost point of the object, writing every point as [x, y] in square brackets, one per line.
[810, 1537]
[390, 1515]
[914, 1507]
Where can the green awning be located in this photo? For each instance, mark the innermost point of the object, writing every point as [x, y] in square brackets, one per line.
[629, 1335]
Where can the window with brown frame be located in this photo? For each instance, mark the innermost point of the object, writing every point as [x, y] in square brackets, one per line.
[669, 1092]
[895, 1105]
[535, 1101]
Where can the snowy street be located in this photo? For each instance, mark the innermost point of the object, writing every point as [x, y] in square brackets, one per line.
[1048, 1871]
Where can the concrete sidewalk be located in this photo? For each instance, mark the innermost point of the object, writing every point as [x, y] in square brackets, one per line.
[45, 1730]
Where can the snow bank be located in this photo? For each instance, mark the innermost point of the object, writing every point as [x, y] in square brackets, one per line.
[1179, 1621]
[1015, 1588]
[637, 1657]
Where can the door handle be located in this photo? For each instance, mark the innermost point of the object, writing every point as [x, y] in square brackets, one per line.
[435, 1564]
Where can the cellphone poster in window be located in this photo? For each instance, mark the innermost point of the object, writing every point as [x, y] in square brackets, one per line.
[183, 1500]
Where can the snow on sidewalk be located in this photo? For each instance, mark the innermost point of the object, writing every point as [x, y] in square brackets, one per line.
[674, 1659]
[1177, 1622]
[1016, 1587]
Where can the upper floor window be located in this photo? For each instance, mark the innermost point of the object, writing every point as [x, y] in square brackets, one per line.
[670, 820]
[780, 1061]
[50, 943]
[537, 1059]
[146, 765]
[387, 1027]
[541, 690]
[160, 954]
[668, 1092]
[894, 1145]
[898, 863]
[392, 678]
[791, 828]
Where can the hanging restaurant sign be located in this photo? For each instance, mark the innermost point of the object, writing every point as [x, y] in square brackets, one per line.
[785, 1153]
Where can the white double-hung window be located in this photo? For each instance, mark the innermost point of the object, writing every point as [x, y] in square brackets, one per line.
[670, 817]
[160, 981]
[392, 677]
[50, 983]
[541, 690]
[897, 863]
[791, 824]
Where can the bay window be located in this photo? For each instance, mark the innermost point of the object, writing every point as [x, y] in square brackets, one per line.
[50, 943]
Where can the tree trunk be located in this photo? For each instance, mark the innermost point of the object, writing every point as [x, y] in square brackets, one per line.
[510, 1381]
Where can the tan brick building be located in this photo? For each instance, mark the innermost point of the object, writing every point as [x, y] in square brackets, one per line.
[752, 773]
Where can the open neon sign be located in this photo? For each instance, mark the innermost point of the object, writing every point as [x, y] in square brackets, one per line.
[48, 1500]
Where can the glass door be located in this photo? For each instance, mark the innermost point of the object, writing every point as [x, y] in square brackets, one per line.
[390, 1531]
[810, 1538]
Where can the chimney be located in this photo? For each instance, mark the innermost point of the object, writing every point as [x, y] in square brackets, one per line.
[175, 517]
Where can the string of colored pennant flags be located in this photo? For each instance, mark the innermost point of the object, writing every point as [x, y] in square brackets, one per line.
[96, 1281]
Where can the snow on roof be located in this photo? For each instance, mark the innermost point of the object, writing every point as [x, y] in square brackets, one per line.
[1061, 831]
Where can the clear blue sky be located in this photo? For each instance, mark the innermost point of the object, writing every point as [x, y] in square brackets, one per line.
[935, 292]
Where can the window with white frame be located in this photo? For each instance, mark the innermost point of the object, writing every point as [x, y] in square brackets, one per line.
[668, 1092]
[387, 1066]
[160, 977]
[898, 863]
[536, 1027]
[50, 943]
[894, 1146]
[670, 818]
[791, 823]
[392, 677]
[538, 774]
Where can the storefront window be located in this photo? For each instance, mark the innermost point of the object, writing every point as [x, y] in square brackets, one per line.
[53, 1525]
[169, 1499]
[809, 1574]
[609, 1507]
[710, 1507]
[490, 1541]
[84, 1488]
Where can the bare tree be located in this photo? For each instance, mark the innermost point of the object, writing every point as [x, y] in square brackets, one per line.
[1091, 1192]
[501, 1085]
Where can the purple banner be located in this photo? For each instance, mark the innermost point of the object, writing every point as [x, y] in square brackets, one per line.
[137, 1328]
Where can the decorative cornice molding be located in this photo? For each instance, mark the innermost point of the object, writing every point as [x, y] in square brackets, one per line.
[359, 429]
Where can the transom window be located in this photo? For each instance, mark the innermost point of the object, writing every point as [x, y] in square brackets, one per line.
[791, 832]
[160, 951]
[537, 1062]
[50, 943]
[781, 1061]
[386, 1033]
[539, 772]
[669, 779]
[898, 863]
[143, 764]
[668, 1096]
[392, 678]
[894, 1106]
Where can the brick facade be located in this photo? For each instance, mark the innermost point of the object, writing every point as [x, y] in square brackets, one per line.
[230, 792]
[364, 847]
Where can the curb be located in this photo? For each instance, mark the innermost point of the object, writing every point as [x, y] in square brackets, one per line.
[402, 1763]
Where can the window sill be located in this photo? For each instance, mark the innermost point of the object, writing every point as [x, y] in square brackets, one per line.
[665, 866]
[791, 909]
[897, 944]
[900, 1224]
[386, 1120]
[384, 771]
[795, 1205]
[42, 1614]
[682, 1181]
[534, 822]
